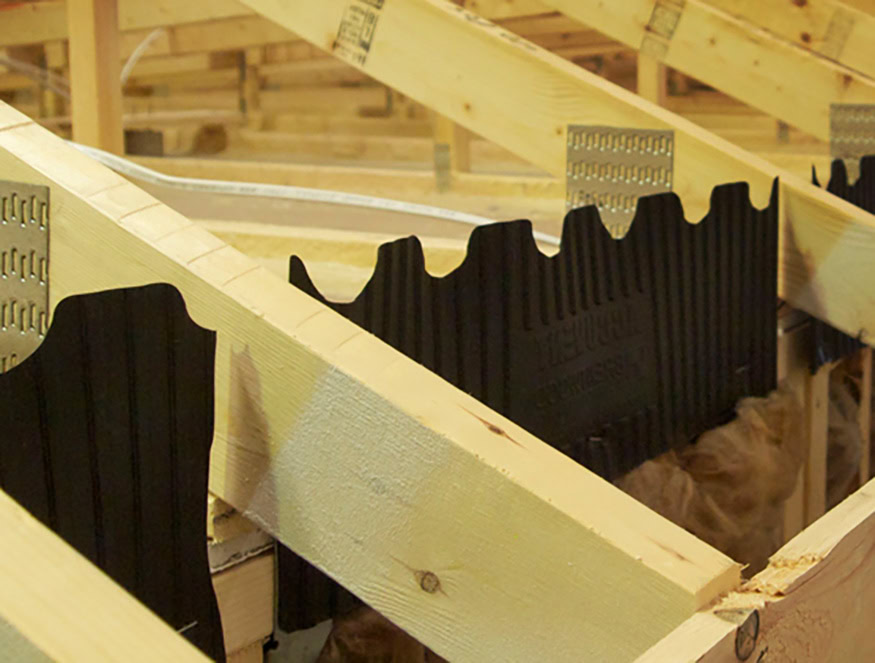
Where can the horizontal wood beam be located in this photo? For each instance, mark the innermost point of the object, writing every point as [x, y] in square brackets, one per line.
[38, 22]
[372, 467]
[512, 92]
[57, 606]
[785, 81]
[815, 600]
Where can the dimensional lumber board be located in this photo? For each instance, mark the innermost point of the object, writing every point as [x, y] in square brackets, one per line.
[94, 74]
[814, 602]
[830, 28]
[37, 22]
[368, 465]
[829, 344]
[106, 439]
[612, 351]
[738, 58]
[56, 606]
[510, 91]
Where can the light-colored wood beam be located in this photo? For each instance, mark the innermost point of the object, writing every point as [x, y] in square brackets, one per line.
[865, 414]
[817, 425]
[38, 22]
[446, 517]
[815, 600]
[470, 86]
[752, 65]
[830, 28]
[57, 606]
[95, 74]
[652, 79]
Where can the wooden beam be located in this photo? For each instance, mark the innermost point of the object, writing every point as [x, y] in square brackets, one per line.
[372, 467]
[652, 79]
[245, 595]
[817, 424]
[38, 22]
[815, 600]
[752, 65]
[95, 74]
[457, 140]
[829, 28]
[512, 92]
[865, 415]
[57, 606]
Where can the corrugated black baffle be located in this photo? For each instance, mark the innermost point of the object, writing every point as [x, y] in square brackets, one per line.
[829, 344]
[106, 437]
[611, 351]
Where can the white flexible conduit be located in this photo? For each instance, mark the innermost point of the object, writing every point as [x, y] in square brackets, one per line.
[131, 169]
[138, 53]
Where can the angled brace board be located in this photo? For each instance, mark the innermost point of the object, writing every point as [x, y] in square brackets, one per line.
[829, 344]
[56, 606]
[523, 98]
[106, 436]
[738, 58]
[372, 467]
[612, 351]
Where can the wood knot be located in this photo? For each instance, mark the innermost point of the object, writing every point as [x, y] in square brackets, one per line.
[429, 582]
[805, 37]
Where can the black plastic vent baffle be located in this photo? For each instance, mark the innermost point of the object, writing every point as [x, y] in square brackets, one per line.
[106, 438]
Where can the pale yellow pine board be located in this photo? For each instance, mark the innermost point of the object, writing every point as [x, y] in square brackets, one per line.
[95, 74]
[36, 22]
[865, 414]
[372, 467]
[66, 608]
[817, 424]
[831, 29]
[737, 58]
[245, 594]
[816, 599]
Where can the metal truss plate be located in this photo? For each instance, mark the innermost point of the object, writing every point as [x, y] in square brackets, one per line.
[24, 270]
[851, 134]
[611, 168]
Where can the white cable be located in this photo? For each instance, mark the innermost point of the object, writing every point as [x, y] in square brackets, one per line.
[138, 53]
[131, 169]
[48, 79]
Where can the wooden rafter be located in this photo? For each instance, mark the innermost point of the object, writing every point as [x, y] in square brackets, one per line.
[523, 98]
[443, 515]
[830, 28]
[788, 82]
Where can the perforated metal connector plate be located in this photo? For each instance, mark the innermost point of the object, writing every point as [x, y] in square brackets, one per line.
[851, 134]
[24, 270]
[611, 168]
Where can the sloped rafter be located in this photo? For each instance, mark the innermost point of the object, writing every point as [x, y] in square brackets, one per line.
[766, 72]
[830, 28]
[448, 518]
[523, 98]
